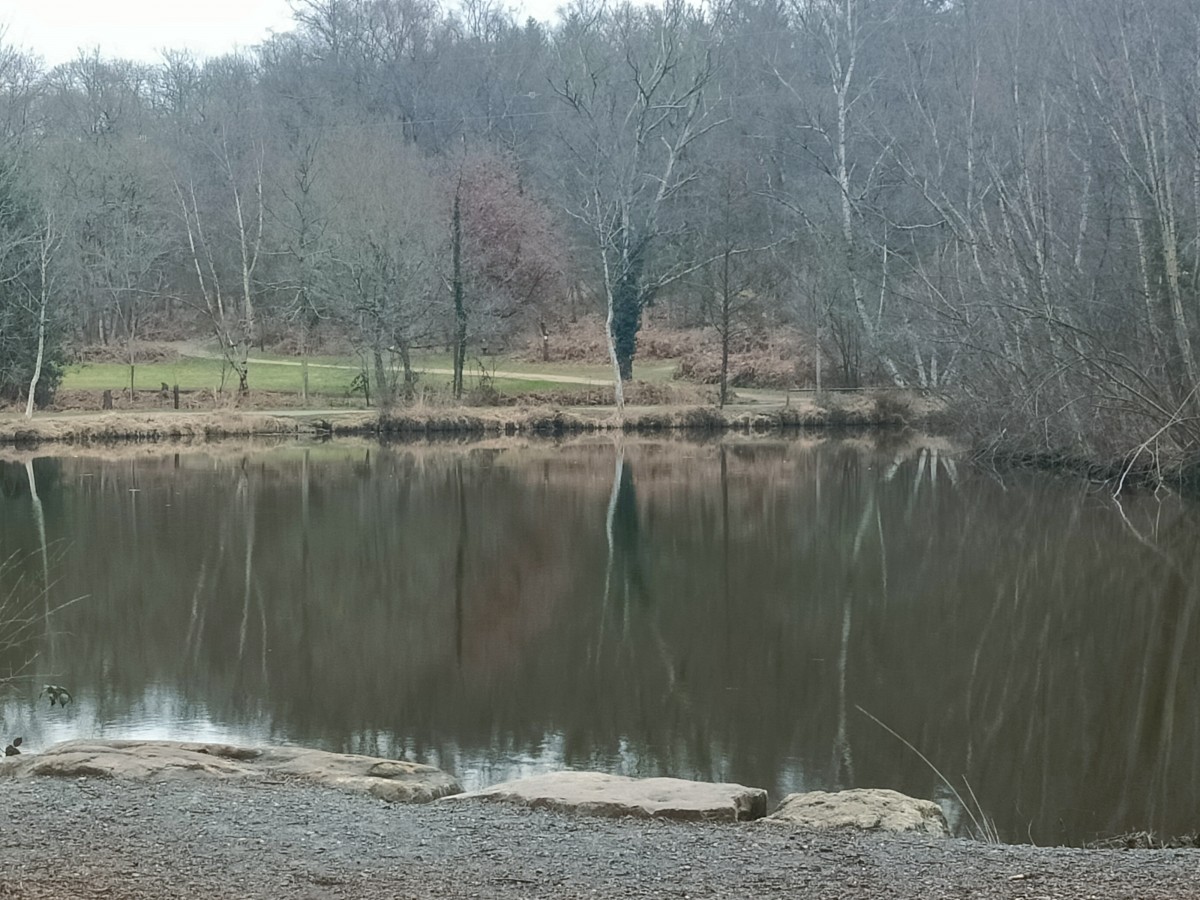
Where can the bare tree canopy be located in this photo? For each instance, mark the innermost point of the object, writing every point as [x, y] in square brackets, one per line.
[997, 201]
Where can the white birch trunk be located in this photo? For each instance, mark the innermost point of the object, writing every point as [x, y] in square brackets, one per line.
[41, 353]
[45, 248]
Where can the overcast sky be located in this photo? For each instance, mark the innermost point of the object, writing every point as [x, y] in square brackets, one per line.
[141, 29]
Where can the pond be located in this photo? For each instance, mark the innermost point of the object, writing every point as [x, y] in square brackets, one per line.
[790, 614]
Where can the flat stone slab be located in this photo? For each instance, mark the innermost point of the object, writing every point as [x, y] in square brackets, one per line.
[389, 779]
[867, 809]
[598, 794]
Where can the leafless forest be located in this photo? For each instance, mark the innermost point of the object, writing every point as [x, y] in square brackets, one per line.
[999, 201]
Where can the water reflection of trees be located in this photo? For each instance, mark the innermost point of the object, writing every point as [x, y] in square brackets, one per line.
[21, 616]
[449, 603]
[624, 574]
[29, 598]
[1054, 654]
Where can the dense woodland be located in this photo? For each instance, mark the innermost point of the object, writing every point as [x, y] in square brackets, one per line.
[1000, 200]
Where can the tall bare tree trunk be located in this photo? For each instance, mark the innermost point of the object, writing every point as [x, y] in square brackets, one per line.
[460, 310]
[46, 243]
[41, 354]
[611, 341]
[250, 247]
[725, 317]
[383, 388]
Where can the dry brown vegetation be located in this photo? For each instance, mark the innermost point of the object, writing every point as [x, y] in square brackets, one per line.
[780, 358]
[141, 351]
[119, 426]
[637, 393]
[775, 358]
[851, 411]
[195, 400]
[858, 410]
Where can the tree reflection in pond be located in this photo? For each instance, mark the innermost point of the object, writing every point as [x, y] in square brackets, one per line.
[624, 579]
[712, 610]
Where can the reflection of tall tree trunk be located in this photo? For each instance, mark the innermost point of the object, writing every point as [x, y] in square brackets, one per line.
[305, 478]
[843, 758]
[201, 596]
[262, 644]
[625, 550]
[725, 595]
[1167, 641]
[609, 522]
[460, 563]
[1153, 737]
[248, 518]
[39, 519]
[922, 460]
[134, 490]
[1178, 633]
[196, 620]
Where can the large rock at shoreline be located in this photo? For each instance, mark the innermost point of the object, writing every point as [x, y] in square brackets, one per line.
[866, 809]
[388, 779]
[597, 794]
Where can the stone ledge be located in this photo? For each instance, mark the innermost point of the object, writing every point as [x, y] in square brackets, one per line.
[866, 809]
[598, 794]
[393, 780]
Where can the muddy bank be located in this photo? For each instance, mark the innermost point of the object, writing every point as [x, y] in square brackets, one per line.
[86, 837]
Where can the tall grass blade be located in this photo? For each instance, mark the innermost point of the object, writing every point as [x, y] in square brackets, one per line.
[983, 828]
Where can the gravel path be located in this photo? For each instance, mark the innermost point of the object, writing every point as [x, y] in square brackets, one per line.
[96, 838]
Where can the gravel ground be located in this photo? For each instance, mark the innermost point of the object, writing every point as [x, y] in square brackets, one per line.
[95, 838]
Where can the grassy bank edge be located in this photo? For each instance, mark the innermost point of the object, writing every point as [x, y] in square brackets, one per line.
[171, 425]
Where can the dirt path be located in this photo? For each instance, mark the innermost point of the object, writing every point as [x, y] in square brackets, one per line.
[498, 373]
[95, 838]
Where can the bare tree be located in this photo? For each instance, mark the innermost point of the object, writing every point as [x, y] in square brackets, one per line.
[385, 242]
[507, 259]
[300, 250]
[634, 81]
[27, 244]
[232, 318]
[48, 242]
[842, 33]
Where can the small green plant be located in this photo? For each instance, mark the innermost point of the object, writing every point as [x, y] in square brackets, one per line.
[360, 384]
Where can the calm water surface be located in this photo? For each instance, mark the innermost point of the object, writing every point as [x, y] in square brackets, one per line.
[719, 611]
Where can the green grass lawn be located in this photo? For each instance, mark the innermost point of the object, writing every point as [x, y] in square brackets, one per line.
[653, 370]
[199, 374]
[193, 374]
[332, 376]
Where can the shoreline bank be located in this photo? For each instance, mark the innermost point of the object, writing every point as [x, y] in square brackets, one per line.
[87, 428]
